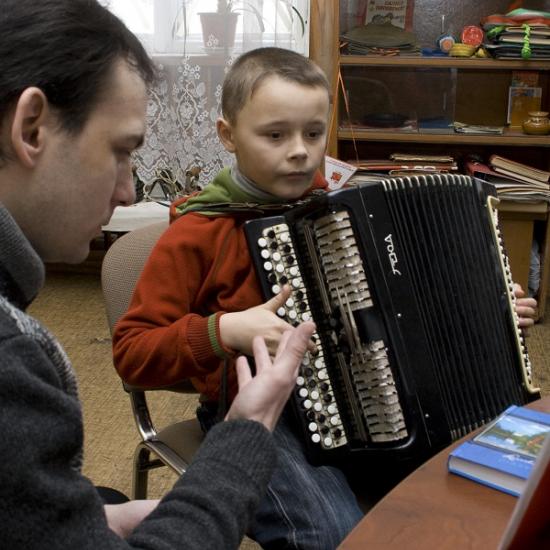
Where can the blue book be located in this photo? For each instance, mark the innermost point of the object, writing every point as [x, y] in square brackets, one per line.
[503, 454]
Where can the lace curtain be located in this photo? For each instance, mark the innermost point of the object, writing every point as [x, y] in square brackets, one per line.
[185, 103]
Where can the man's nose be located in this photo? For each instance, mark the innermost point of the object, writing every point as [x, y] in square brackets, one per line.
[125, 191]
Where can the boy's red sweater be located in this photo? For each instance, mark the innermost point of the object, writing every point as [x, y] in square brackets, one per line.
[200, 266]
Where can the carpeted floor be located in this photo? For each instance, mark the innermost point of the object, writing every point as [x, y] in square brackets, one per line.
[71, 306]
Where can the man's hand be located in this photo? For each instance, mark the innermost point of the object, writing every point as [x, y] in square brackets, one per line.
[525, 308]
[124, 518]
[238, 329]
[263, 397]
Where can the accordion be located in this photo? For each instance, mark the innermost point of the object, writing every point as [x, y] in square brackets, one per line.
[416, 332]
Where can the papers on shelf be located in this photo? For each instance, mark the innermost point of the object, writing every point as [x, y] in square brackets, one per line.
[462, 128]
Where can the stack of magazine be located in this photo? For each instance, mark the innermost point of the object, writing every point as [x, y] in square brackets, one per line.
[520, 34]
[401, 164]
[513, 180]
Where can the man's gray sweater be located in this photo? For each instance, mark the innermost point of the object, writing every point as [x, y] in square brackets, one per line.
[45, 502]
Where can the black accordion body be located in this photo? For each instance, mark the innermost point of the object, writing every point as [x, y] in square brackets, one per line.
[409, 286]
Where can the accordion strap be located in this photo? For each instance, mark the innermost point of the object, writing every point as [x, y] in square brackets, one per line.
[249, 207]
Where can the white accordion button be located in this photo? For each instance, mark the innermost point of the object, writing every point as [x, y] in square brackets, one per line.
[268, 266]
[262, 242]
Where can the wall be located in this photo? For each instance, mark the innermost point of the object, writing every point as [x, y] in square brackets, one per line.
[427, 14]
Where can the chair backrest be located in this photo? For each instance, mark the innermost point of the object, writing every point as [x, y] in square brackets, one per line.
[122, 266]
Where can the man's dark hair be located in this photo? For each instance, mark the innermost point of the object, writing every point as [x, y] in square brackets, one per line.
[67, 48]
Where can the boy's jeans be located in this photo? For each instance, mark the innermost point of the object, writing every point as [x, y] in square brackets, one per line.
[306, 507]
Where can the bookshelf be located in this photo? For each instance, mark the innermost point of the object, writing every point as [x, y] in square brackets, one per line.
[478, 91]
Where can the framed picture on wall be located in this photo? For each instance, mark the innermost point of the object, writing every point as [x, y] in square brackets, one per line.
[396, 12]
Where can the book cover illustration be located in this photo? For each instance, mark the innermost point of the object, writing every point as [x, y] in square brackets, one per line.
[502, 455]
[521, 101]
[396, 12]
[515, 434]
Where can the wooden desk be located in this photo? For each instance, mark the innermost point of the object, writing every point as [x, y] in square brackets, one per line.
[434, 509]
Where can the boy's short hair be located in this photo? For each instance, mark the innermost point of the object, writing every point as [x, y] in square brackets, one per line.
[68, 49]
[253, 67]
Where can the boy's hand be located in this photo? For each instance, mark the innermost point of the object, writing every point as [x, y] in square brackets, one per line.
[262, 397]
[238, 329]
[525, 308]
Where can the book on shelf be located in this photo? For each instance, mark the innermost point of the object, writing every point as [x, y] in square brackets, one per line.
[538, 40]
[435, 125]
[502, 455]
[528, 526]
[542, 30]
[387, 165]
[361, 178]
[521, 101]
[509, 187]
[463, 128]
[397, 12]
[521, 177]
[513, 51]
[525, 78]
[511, 167]
[422, 158]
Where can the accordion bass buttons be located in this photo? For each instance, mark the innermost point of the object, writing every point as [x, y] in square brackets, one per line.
[313, 389]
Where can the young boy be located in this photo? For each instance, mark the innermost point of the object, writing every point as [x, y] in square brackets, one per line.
[198, 302]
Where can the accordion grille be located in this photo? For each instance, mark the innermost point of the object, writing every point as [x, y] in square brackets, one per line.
[449, 250]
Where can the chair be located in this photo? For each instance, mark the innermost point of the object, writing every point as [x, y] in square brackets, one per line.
[174, 445]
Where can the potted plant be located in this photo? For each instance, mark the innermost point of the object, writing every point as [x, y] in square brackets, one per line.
[219, 27]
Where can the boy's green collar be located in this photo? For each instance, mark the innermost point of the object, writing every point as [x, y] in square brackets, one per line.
[222, 190]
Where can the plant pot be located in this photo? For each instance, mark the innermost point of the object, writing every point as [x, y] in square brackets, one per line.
[537, 123]
[218, 30]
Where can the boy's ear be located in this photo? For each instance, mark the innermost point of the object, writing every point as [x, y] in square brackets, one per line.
[27, 128]
[225, 133]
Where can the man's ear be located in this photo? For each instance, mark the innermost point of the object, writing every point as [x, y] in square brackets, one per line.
[225, 133]
[27, 128]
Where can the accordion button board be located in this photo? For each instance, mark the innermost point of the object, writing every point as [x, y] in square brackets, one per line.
[383, 272]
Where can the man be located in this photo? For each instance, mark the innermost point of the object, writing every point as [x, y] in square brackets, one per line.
[73, 96]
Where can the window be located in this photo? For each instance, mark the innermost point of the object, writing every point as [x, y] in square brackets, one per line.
[173, 26]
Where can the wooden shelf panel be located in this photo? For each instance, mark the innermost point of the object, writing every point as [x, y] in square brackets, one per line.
[450, 62]
[508, 138]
